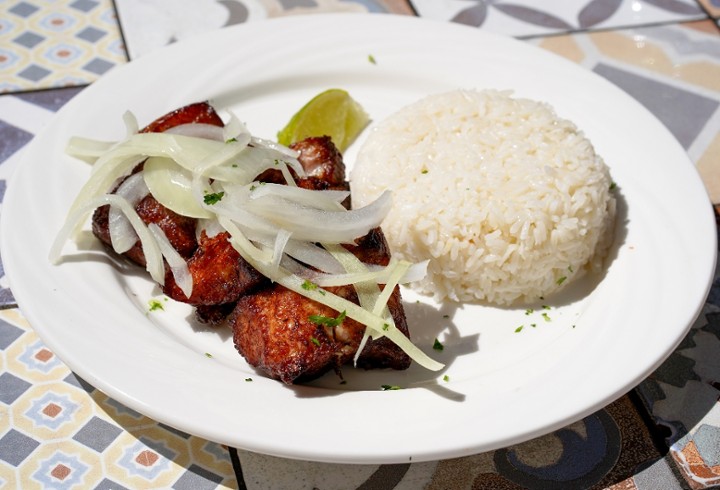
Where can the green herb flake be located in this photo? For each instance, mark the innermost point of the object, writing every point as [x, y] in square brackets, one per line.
[533, 325]
[314, 341]
[561, 280]
[372, 59]
[424, 171]
[529, 311]
[613, 186]
[437, 345]
[446, 316]
[546, 317]
[208, 355]
[519, 329]
[213, 198]
[386, 327]
[231, 140]
[446, 378]
[546, 307]
[249, 380]
[155, 305]
[327, 321]
[309, 286]
[390, 387]
[570, 269]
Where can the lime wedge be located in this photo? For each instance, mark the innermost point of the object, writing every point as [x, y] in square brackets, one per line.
[330, 113]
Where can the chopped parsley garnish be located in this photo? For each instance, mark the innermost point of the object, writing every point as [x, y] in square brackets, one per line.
[390, 387]
[529, 311]
[208, 355]
[327, 321]
[546, 317]
[155, 305]
[437, 345]
[231, 140]
[213, 198]
[519, 329]
[372, 59]
[613, 185]
[446, 316]
[314, 341]
[309, 286]
[386, 327]
[424, 171]
[446, 378]
[561, 280]
[248, 379]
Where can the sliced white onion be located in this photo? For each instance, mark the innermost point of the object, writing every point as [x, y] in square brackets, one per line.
[281, 240]
[234, 128]
[153, 256]
[178, 265]
[288, 152]
[131, 123]
[171, 186]
[328, 200]
[87, 149]
[377, 275]
[199, 130]
[318, 225]
[122, 234]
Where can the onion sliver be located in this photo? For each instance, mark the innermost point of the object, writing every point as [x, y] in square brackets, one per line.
[328, 200]
[199, 130]
[87, 149]
[122, 234]
[153, 256]
[318, 225]
[178, 265]
[171, 185]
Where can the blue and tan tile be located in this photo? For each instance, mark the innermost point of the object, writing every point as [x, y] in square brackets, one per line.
[71, 42]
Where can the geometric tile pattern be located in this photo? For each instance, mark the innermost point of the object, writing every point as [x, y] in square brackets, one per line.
[57, 431]
[54, 434]
[57, 44]
[524, 18]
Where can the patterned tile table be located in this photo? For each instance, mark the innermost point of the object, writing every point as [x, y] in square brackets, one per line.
[57, 431]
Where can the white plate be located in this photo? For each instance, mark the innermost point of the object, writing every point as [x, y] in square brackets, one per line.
[504, 387]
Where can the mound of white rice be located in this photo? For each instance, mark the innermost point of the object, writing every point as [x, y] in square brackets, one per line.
[508, 201]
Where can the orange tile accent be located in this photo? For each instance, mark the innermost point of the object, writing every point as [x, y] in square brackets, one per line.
[60, 472]
[695, 471]
[147, 458]
[43, 355]
[52, 410]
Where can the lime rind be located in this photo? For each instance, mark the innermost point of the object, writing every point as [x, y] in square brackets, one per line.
[332, 113]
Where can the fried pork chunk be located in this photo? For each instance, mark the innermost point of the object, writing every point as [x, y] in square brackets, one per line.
[180, 230]
[273, 328]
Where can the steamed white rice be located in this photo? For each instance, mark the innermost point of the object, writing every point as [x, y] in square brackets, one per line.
[508, 201]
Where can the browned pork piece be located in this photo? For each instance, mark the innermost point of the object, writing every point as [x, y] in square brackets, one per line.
[220, 274]
[180, 230]
[273, 328]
